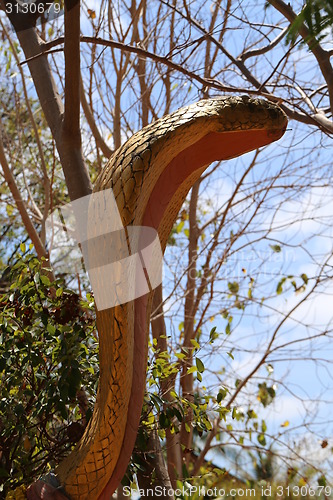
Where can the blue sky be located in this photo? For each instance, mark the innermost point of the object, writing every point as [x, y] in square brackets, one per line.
[302, 226]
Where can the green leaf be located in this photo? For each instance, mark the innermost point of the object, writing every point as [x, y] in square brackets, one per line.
[230, 355]
[266, 394]
[45, 280]
[276, 248]
[261, 439]
[223, 413]
[279, 288]
[263, 426]
[9, 210]
[22, 247]
[158, 403]
[305, 278]
[200, 365]
[185, 472]
[195, 344]
[322, 481]
[213, 335]
[180, 226]
[233, 287]
[192, 369]
[19, 409]
[178, 414]
[74, 380]
[269, 368]
[51, 328]
[3, 364]
[221, 394]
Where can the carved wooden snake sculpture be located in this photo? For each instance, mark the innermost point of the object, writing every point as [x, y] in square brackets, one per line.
[150, 176]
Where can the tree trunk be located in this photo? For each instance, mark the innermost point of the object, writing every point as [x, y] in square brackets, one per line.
[155, 478]
[174, 455]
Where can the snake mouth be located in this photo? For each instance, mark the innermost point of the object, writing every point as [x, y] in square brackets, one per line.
[215, 146]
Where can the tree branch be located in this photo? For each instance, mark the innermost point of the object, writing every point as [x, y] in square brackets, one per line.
[186, 379]
[75, 170]
[266, 48]
[46, 47]
[317, 120]
[30, 228]
[107, 152]
[71, 125]
[321, 55]
[159, 333]
[46, 179]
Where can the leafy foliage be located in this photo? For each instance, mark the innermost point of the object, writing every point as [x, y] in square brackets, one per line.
[48, 371]
[317, 15]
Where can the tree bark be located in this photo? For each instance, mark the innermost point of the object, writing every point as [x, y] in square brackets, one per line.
[187, 378]
[155, 474]
[173, 446]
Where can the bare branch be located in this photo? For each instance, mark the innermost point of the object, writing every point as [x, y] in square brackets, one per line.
[266, 48]
[107, 152]
[30, 228]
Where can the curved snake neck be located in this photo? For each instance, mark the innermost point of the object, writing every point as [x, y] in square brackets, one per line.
[150, 176]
